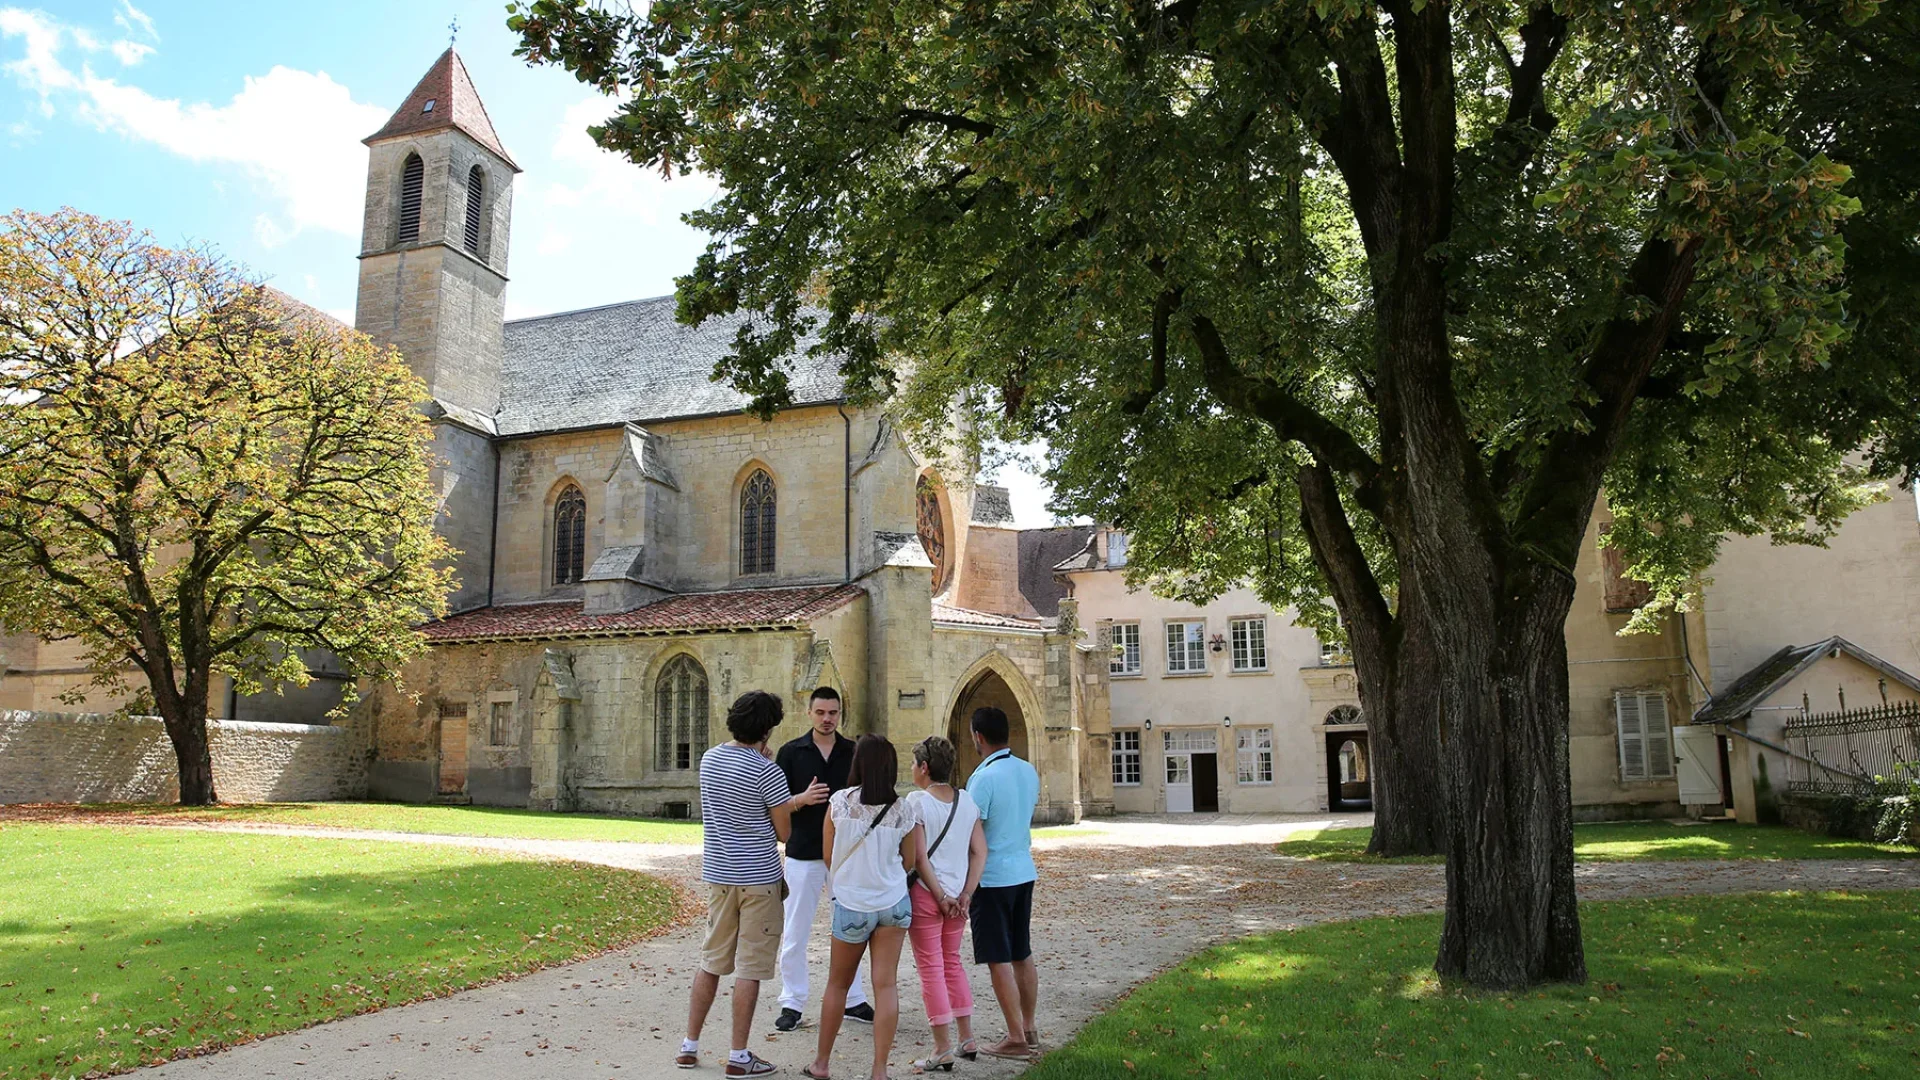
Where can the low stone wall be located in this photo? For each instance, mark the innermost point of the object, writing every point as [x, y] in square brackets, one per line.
[104, 757]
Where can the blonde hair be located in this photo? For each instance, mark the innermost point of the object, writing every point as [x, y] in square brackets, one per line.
[937, 755]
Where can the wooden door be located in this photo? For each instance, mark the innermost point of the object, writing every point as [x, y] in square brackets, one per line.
[453, 754]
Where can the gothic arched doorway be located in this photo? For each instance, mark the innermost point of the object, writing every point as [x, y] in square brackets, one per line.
[987, 688]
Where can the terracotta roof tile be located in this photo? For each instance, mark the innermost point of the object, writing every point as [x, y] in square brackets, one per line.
[947, 613]
[744, 609]
[456, 104]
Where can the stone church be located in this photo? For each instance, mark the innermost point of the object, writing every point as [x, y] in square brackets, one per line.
[635, 551]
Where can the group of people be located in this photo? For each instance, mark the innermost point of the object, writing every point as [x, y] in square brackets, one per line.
[896, 870]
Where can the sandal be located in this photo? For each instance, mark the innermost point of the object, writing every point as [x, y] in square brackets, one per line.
[807, 1071]
[1033, 1039]
[1009, 1055]
[969, 1050]
[941, 1063]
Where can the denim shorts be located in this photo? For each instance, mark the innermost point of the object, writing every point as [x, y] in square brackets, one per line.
[855, 927]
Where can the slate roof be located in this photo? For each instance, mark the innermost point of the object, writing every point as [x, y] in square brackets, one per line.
[959, 616]
[632, 363]
[1737, 701]
[742, 609]
[456, 104]
[1041, 552]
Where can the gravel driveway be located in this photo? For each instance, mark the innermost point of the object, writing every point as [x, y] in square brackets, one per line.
[1116, 903]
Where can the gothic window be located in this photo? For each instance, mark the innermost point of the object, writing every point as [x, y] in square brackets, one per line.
[933, 533]
[680, 715]
[569, 536]
[757, 526]
[476, 189]
[412, 181]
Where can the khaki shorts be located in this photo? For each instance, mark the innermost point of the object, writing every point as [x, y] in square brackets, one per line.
[743, 930]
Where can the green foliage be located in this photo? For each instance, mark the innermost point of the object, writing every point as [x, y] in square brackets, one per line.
[198, 474]
[122, 947]
[1635, 842]
[1900, 817]
[1049, 206]
[1784, 985]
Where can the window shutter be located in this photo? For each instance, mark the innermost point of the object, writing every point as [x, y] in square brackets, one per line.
[1633, 743]
[1658, 736]
[476, 190]
[412, 181]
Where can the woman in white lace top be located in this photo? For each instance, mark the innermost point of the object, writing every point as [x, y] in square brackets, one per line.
[871, 839]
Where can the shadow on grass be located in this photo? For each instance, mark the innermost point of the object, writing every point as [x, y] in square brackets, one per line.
[1779, 985]
[139, 944]
[1635, 841]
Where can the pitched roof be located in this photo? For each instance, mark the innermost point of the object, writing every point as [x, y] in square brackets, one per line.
[1041, 551]
[1737, 701]
[741, 609]
[959, 616]
[632, 363]
[454, 104]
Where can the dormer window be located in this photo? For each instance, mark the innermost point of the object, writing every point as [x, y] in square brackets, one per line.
[428, 107]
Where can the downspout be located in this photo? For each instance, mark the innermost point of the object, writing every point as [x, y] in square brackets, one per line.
[493, 530]
[1686, 652]
[846, 491]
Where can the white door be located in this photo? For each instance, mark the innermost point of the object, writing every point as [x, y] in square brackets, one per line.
[1180, 745]
[1698, 751]
[1179, 783]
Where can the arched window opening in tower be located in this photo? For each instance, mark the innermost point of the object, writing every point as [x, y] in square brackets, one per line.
[412, 181]
[476, 190]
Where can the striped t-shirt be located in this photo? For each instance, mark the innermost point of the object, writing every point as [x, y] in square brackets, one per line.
[737, 787]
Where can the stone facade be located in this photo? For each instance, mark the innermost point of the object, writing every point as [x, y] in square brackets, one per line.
[107, 757]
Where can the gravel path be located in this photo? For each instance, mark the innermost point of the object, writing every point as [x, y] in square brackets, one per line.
[1113, 908]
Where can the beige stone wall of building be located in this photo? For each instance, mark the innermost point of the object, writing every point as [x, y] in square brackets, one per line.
[992, 578]
[1864, 586]
[1276, 697]
[96, 757]
[1602, 661]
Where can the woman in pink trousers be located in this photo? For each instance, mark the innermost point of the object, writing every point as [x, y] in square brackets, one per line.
[957, 851]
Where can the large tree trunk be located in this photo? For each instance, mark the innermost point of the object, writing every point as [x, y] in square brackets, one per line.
[1511, 918]
[194, 755]
[1403, 743]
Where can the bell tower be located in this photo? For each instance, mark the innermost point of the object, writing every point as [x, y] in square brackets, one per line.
[433, 245]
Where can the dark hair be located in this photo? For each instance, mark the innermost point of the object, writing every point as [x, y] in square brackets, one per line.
[875, 768]
[991, 723]
[823, 693]
[937, 755]
[754, 714]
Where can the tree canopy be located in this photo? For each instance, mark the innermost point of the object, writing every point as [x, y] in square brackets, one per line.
[1357, 300]
[200, 476]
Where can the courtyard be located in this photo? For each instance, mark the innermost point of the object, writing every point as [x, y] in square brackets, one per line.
[1134, 913]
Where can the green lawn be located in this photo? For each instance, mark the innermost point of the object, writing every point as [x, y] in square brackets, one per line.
[1780, 986]
[1634, 840]
[120, 947]
[413, 818]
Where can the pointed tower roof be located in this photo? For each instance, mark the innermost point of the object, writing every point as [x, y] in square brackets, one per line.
[444, 98]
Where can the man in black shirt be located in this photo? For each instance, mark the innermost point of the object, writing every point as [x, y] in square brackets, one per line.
[822, 753]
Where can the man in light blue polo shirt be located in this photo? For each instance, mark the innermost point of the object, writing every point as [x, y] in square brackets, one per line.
[1006, 789]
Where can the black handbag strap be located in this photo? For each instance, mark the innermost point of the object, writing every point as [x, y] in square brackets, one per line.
[952, 813]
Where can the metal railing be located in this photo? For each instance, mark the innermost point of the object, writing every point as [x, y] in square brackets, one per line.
[1854, 751]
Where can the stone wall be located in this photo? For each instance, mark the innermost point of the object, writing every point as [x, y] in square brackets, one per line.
[106, 757]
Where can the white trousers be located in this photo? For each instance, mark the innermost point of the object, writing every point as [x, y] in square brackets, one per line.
[807, 881]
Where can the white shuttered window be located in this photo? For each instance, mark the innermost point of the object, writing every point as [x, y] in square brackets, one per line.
[1646, 740]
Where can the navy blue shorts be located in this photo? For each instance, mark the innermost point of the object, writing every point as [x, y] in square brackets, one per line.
[1002, 920]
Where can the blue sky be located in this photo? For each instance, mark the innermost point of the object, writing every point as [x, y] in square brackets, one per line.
[239, 126]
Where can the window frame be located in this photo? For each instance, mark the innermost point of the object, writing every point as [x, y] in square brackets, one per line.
[413, 175]
[1128, 756]
[570, 535]
[1117, 666]
[759, 531]
[503, 720]
[1250, 756]
[1234, 627]
[680, 732]
[1648, 745]
[1191, 645]
[473, 223]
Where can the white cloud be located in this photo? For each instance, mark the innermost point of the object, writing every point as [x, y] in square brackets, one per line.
[598, 184]
[296, 134]
[134, 21]
[130, 53]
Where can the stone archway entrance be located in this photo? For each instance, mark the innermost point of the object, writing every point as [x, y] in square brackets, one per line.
[1349, 775]
[986, 689]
